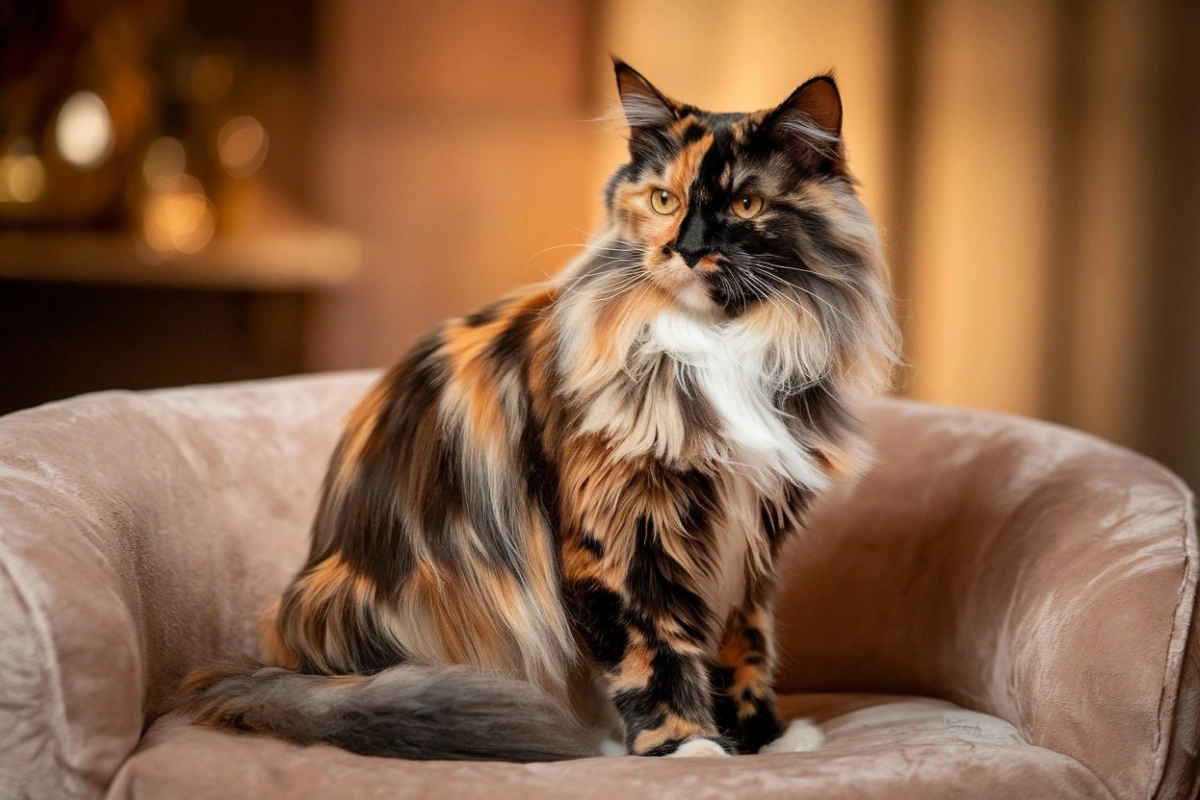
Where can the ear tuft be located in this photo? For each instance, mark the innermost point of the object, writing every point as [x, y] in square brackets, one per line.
[645, 106]
[814, 110]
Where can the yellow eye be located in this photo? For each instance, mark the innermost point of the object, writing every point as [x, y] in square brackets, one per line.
[747, 206]
[663, 202]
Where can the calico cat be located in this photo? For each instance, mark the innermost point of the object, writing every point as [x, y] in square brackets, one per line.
[587, 484]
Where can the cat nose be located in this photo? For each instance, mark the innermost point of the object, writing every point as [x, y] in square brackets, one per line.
[691, 244]
[691, 256]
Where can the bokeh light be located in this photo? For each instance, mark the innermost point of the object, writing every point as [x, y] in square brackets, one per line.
[84, 131]
[22, 175]
[242, 146]
[165, 159]
[179, 217]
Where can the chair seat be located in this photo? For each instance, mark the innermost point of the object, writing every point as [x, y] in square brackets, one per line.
[877, 746]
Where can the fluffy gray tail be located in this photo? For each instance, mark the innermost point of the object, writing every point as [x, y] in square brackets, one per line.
[404, 712]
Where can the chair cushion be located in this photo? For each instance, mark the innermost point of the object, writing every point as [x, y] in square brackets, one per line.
[877, 746]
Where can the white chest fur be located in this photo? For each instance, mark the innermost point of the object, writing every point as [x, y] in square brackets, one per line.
[729, 366]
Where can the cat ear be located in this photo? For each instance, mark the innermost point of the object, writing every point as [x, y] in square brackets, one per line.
[813, 113]
[645, 106]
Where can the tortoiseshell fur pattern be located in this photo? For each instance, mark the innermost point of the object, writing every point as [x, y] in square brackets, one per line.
[594, 476]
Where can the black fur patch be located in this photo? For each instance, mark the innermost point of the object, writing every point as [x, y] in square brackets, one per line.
[763, 727]
[598, 617]
[591, 544]
[755, 640]
[483, 316]
[509, 347]
[724, 709]
[657, 584]
[640, 710]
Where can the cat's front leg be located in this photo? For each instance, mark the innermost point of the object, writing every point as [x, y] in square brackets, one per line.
[744, 699]
[743, 696]
[658, 680]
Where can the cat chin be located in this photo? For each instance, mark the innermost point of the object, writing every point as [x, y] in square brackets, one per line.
[695, 296]
[688, 287]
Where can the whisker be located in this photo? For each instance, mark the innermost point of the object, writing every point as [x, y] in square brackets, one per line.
[629, 287]
[841, 284]
[775, 293]
[606, 291]
[817, 297]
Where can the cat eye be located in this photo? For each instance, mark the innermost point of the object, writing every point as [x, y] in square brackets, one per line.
[747, 206]
[663, 202]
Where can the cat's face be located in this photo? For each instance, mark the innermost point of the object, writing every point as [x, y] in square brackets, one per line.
[726, 212]
[746, 225]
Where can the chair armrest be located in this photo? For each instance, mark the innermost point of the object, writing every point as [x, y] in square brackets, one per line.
[140, 536]
[1016, 568]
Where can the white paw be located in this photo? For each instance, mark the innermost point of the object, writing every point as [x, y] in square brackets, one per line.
[800, 737]
[698, 748]
[611, 747]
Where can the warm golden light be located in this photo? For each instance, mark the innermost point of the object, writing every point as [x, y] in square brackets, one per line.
[165, 159]
[242, 146]
[211, 77]
[84, 132]
[179, 218]
[22, 176]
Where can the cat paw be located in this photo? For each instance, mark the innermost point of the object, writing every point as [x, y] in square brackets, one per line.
[800, 737]
[698, 748]
[611, 747]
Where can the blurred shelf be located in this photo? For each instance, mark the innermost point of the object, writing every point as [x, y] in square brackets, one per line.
[308, 257]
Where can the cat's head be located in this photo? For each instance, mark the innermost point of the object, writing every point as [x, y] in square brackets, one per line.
[750, 219]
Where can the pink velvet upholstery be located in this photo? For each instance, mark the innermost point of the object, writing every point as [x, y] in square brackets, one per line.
[1002, 608]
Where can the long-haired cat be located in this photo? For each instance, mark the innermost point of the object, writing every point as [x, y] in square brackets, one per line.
[587, 484]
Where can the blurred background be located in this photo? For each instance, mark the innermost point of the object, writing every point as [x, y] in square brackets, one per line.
[202, 191]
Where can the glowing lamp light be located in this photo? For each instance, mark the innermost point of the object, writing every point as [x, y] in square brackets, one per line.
[179, 218]
[84, 131]
[165, 160]
[242, 146]
[22, 175]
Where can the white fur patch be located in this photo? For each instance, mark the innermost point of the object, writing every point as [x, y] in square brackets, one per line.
[698, 748]
[611, 747]
[803, 126]
[645, 110]
[800, 737]
[729, 364]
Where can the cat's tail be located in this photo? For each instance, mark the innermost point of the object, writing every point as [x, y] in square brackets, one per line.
[403, 712]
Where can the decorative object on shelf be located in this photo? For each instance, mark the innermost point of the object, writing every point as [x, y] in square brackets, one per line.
[120, 116]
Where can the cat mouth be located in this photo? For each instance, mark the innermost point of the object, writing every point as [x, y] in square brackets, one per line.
[693, 286]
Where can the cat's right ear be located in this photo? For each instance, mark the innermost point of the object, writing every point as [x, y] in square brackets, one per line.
[645, 106]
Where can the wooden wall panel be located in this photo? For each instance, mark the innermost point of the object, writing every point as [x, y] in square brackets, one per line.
[454, 137]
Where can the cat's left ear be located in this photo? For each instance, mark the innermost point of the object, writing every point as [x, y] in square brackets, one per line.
[813, 114]
[645, 106]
